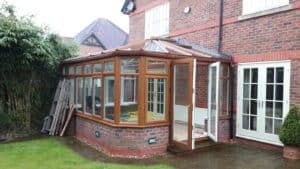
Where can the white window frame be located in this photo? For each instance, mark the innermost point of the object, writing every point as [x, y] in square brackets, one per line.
[123, 91]
[79, 104]
[255, 6]
[157, 21]
[93, 93]
[106, 91]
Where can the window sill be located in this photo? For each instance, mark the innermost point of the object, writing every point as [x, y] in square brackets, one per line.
[98, 119]
[265, 12]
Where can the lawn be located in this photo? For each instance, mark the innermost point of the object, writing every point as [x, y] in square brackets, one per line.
[51, 154]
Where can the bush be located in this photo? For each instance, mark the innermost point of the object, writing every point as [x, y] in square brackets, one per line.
[30, 59]
[4, 122]
[289, 133]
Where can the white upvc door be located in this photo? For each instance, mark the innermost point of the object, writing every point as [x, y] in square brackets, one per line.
[263, 100]
[213, 100]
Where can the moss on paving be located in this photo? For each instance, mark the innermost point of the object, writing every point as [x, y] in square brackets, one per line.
[50, 154]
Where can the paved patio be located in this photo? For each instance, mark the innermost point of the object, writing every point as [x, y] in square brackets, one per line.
[224, 156]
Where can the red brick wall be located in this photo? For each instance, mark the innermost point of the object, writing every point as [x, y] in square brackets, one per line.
[127, 142]
[295, 83]
[271, 33]
[201, 86]
[266, 38]
[137, 27]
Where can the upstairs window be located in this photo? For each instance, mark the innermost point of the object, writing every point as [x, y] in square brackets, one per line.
[157, 21]
[253, 6]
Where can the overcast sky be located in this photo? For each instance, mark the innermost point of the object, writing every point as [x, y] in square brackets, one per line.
[68, 17]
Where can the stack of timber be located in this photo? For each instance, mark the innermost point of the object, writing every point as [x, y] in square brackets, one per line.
[55, 121]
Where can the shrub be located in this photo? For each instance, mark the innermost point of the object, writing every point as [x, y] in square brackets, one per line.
[289, 133]
[4, 122]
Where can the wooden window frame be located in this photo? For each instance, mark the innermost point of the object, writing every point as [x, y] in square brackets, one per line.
[141, 83]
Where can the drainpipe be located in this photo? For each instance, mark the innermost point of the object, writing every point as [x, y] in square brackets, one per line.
[231, 96]
[220, 26]
[231, 70]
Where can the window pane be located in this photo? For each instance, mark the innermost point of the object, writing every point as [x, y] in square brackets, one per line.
[253, 108]
[253, 91]
[279, 92]
[156, 99]
[277, 125]
[157, 21]
[156, 67]
[269, 109]
[270, 75]
[129, 65]
[97, 96]
[71, 70]
[279, 75]
[181, 85]
[71, 100]
[253, 6]
[253, 122]
[254, 75]
[79, 89]
[246, 75]
[109, 92]
[246, 106]
[88, 95]
[65, 70]
[109, 66]
[97, 68]
[269, 125]
[245, 122]
[246, 91]
[278, 109]
[78, 70]
[270, 92]
[129, 89]
[129, 100]
[87, 69]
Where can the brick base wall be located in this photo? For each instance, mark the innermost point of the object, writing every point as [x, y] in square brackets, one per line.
[123, 142]
[257, 144]
[223, 129]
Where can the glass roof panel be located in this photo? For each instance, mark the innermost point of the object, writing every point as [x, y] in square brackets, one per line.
[154, 47]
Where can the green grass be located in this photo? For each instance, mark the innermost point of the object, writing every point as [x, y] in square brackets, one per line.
[50, 154]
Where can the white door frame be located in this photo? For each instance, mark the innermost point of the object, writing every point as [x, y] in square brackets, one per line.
[194, 102]
[259, 134]
[214, 136]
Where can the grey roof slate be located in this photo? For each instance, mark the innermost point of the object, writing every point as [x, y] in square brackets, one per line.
[109, 34]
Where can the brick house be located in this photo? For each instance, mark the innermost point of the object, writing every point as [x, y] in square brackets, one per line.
[224, 70]
[254, 33]
[101, 34]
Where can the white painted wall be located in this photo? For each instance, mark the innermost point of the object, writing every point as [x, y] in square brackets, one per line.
[200, 115]
[181, 114]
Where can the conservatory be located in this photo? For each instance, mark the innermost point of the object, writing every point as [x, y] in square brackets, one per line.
[138, 99]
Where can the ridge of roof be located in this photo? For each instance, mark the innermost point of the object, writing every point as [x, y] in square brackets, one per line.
[173, 47]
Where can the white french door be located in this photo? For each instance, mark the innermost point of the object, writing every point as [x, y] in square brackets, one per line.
[213, 100]
[263, 100]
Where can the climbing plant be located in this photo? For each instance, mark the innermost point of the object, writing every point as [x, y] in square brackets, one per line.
[29, 70]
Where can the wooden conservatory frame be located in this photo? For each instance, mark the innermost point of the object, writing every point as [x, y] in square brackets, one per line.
[143, 57]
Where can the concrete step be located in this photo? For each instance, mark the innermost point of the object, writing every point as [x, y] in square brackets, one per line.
[199, 146]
